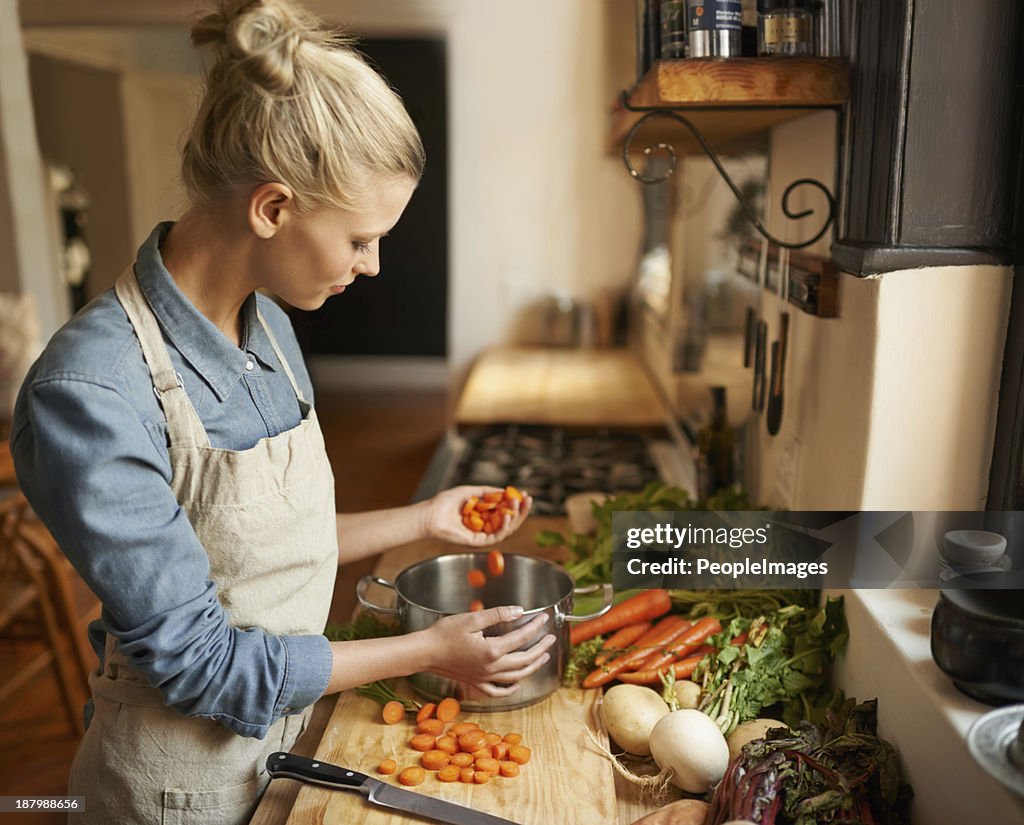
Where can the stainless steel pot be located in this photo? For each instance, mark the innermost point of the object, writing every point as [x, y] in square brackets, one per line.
[438, 587]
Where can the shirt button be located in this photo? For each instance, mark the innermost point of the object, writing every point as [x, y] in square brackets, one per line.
[249, 365]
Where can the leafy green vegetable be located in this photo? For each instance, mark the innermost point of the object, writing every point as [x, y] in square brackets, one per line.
[592, 555]
[581, 661]
[836, 772]
[746, 604]
[783, 659]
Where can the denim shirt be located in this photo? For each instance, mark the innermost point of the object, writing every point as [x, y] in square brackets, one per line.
[89, 440]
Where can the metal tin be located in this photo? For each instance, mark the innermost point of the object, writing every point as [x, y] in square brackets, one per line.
[714, 28]
[434, 588]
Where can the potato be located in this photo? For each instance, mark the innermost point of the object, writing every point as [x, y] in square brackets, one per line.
[629, 713]
[687, 693]
[681, 812]
[748, 732]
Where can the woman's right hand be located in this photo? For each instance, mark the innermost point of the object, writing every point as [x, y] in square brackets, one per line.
[460, 651]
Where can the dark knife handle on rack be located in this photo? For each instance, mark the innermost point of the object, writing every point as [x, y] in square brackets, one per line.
[290, 765]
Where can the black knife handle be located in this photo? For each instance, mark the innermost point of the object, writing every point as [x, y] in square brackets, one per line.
[313, 770]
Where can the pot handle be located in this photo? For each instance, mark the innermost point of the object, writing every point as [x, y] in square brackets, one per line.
[364, 583]
[609, 594]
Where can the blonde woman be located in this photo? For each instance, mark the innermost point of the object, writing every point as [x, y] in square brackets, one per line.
[167, 438]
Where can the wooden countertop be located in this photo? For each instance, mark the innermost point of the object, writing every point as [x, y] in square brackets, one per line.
[345, 730]
[560, 387]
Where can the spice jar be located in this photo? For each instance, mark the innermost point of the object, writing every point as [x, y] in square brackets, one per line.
[784, 27]
[714, 27]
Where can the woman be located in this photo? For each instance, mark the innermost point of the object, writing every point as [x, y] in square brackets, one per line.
[166, 438]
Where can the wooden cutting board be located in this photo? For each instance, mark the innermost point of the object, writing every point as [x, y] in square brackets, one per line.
[560, 387]
[566, 781]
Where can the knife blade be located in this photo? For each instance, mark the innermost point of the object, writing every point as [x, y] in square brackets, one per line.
[317, 772]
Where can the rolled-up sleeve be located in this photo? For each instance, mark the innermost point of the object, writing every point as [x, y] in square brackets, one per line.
[92, 471]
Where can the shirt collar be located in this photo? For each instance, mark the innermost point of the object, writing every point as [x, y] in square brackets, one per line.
[217, 361]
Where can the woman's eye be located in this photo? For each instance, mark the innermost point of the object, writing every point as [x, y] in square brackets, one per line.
[360, 247]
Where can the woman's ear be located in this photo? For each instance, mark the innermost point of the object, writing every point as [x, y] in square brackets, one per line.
[270, 206]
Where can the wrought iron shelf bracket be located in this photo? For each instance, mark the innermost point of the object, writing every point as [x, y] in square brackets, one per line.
[672, 113]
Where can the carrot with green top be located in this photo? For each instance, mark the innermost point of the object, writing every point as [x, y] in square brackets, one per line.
[644, 606]
[686, 643]
[682, 669]
[622, 639]
[658, 636]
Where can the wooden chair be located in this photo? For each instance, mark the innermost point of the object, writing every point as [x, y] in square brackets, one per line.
[25, 594]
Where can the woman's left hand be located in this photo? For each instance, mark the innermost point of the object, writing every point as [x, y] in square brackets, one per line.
[444, 517]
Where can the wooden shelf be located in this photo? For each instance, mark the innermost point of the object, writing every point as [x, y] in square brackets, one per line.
[733, 102]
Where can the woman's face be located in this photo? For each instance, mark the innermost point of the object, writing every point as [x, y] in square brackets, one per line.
[318, 254]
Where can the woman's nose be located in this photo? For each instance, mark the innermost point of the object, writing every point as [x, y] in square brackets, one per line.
[369, 264]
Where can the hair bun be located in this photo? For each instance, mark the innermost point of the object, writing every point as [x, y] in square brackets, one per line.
[260, 39]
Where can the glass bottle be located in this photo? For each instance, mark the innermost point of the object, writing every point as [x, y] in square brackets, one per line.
[784, 27]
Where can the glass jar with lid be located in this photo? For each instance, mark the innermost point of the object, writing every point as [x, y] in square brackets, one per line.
[784, 27]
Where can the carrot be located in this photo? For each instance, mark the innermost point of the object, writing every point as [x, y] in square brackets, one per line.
[448, 744]
[648, 604]
[519, 754]
[393, 712]
[462, 759]
[476, 578]
[621, 639]
[449, 773]
[434, 760]
[500, 751]
[489, 764]
[472, 741]
[460, 728]
[661, 634]
[413, 775]
[448, 709]
[387, 766]
[682, 669]
[512, 738]
[426, 712]
[466, 775]
[491, 739]
[682, 644]
[475, 605]
[495, 562]
[512, 494]
[509, 768]
[481, 777]
[435, 727]
[423, 742]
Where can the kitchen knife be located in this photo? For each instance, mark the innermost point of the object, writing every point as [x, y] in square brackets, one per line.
[760, 365]
[378, 793]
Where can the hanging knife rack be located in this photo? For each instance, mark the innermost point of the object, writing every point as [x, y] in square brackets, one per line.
[813, 280]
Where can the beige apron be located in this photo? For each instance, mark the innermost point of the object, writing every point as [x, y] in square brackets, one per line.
[266, 518]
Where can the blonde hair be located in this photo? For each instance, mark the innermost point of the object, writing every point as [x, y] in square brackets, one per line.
[288, 100]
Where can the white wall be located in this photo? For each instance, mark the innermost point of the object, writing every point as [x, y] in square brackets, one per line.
[536, 201]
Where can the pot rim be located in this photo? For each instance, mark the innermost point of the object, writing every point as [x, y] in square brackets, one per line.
[478, 554]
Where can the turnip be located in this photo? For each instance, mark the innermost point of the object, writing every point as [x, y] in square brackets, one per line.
[689, 746]
[749, 732]
[629, 713]
[687, 693]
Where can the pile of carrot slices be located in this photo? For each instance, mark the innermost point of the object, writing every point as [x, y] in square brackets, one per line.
[455, 751]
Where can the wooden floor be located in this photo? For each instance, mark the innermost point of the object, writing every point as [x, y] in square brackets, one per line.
[379, 444]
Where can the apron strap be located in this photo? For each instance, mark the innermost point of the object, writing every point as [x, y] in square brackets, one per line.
[183, 425]
[284, 362]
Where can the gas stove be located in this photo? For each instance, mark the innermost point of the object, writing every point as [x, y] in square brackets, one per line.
[551, 463]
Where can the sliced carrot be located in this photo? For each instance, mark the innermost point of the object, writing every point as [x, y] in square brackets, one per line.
[460, 728]
[426, 712]
[413, 775]
[472, 741]
[462, 759]
[509, 768]
[393, 712]
[467, 508]
[489, 764]
[435, 727]
[388, 766]
[500, 751]
[621, 639]
[448, 744]
[476, 578]
[434, 760]
[482, 753]
[481, 777]
[475, 605]
[512, 738]
[648, 604]
[495, 563]
[449, 773]
[448, 709]
[513, 494]
[467, 774]
[423, 742]
[492, 739]
[494, 497]
[519, 754]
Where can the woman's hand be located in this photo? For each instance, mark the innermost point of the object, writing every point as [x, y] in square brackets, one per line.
[444, 517]
[492, 665]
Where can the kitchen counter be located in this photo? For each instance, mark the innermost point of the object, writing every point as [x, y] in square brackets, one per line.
[346, 730]
[560, 387]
